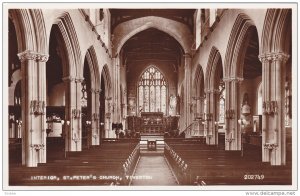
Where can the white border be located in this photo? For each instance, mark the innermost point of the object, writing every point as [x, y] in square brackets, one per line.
[77, 5]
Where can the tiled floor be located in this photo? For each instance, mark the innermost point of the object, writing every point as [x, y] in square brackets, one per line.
[153, 170]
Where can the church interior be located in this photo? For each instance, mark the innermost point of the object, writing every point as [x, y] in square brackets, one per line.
[149, 97]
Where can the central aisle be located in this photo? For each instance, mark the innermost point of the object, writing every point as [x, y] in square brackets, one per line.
[153, 170]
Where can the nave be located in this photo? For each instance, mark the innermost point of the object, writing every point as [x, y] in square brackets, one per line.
[153, 170]
[183, 162]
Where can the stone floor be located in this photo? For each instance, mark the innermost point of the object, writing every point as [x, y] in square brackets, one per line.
[153, 171]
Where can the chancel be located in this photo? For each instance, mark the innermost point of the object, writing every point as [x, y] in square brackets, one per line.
[159, 97]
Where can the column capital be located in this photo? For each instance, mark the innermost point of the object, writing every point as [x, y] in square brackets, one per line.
[214, 91]
[92, 90]
[31, 55]
[233, 79]
[196, 98]
[202, 98]
[68, 79]
[273, 56]
[97, 91]
[79, 80]
[187, 55]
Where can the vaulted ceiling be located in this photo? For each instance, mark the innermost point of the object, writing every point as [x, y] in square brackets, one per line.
[184, 16]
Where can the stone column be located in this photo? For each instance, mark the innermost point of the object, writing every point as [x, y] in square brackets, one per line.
[33, 107]
[232, 113]
[73, 115]
[188, 90]
[108, 123]
[93, 132]
[77, 134]
[201, 115]
[273, 128]
[116, 90]
[229, 115]
[211, 117]
[96, 119]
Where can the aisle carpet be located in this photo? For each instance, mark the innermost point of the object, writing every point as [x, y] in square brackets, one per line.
[153, 171]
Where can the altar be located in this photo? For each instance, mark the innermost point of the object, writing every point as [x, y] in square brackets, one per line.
[152, 123]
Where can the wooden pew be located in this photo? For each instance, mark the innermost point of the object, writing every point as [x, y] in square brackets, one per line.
[207, 165]
[104, 165]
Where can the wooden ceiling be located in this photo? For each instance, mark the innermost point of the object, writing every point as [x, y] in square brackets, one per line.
[184, 16]
[152, 45]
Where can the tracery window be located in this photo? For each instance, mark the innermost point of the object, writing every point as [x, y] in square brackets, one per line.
[222, 103]
[152, 91]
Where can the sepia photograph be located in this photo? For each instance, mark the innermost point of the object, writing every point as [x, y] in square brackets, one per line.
[150, 96]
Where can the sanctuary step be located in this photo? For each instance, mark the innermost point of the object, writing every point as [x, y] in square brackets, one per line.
[152, 145]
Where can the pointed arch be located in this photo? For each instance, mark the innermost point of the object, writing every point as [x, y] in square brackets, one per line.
[93, 67]
[214, 60]
[274, 31]
[155, 67]
[107, 80]
[198, 84]
[235, 51]
[30, 29]
[177, 30]
[70, 38]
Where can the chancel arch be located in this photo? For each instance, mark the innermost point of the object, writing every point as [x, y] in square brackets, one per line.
[140, 24]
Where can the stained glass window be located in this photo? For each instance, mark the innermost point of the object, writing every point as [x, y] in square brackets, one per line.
[152, 91]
